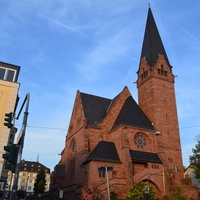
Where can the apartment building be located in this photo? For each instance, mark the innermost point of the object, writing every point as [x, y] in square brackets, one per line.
[8, 100]
[27, 176]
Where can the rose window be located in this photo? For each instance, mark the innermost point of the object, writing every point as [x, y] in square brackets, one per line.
[139, 140]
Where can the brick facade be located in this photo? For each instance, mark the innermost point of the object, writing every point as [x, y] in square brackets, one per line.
[140, 142]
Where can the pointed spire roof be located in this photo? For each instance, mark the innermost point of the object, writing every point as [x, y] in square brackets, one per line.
[152, 43]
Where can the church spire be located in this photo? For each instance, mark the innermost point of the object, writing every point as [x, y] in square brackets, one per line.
[152, 43]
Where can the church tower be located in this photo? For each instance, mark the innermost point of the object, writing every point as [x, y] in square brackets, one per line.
[156, 96]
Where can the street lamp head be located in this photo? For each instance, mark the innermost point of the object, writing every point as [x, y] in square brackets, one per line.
[157, 133]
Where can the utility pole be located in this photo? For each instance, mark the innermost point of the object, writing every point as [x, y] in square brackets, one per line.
[21, 145]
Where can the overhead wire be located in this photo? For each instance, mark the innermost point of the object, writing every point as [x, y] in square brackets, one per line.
[56, 128]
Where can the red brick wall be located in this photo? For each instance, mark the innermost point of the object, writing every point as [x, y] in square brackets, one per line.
[157, 99]
[86, 177]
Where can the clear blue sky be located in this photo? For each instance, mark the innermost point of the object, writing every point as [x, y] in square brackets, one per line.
[94, 46]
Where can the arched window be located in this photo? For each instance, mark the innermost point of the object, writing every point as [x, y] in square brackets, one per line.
[73, 146]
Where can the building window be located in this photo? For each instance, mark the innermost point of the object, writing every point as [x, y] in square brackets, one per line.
[161, 71]
[29, 187]
[155, 166]
[74, 147]
[23, 180]
[101, 174]
[139, 140]
[7, 74]
[2, 73]
[144, 74]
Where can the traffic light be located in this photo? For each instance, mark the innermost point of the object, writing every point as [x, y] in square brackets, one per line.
[11, 156]
[8, 120]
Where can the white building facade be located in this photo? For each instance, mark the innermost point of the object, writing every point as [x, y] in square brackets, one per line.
[27, 176]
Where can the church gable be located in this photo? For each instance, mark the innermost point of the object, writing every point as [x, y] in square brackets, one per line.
[132, 115]
[121, 110]
[78, 118]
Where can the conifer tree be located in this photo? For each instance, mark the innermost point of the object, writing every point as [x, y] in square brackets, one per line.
[195, 160]
[40, 182]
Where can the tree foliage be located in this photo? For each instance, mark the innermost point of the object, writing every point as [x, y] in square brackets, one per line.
[141, 191]
[40, 182]
[113, 196]
[178, 194]
[195, 160]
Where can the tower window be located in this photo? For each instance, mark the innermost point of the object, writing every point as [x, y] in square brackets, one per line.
[162, 71]
[144, 75]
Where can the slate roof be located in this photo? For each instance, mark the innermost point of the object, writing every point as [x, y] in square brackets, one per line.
[32, 166]
[104, 151]
[144, 157]
[152, 43]
[132, 115]
[94, 108]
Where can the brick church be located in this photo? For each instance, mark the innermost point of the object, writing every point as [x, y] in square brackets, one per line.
[135, 141]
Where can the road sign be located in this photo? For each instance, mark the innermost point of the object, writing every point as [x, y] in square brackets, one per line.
[60, 194]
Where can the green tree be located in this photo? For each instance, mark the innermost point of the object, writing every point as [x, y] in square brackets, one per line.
[178, 194]
[113, 196]
[195, 160]
[40, 182]
[141, 191]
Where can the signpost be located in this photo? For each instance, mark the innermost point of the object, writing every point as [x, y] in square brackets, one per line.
[106, 169]
[86, 196]
[60, 194]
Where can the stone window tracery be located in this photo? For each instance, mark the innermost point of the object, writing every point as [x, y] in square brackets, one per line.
[139, 140]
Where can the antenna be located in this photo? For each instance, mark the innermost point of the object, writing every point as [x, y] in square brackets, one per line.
[38, 158]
